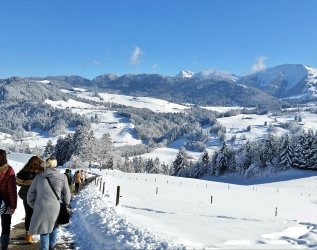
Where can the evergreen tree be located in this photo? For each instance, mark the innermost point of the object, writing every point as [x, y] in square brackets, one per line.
[287, 153]
[223, 160]
[181, 161]
[246, 157]
[62, 149]
[49, 149]
[299, 158]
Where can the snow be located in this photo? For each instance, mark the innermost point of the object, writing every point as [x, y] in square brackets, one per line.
[181, 213]
[292, 73]
[223, 109]
[216, 75]
[44, 81]
[312, 80]
[185, 74]
[68, 104]
[165, 212]
[156, 105]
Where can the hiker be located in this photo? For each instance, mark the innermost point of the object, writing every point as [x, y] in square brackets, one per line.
[69, 176]
[77, 180]
[24, 179]
[83, 177]
[8, 193]
[46, 206]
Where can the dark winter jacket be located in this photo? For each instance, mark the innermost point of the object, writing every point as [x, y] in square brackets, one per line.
[8, 189]
[24, 179]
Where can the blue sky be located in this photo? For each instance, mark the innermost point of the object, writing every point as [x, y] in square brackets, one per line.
[89, 38]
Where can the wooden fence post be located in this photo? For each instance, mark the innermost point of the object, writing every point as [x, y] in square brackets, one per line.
[118, 195]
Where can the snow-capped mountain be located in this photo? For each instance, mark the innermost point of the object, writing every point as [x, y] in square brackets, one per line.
[289, 81]
[185, 74]
[216, 75]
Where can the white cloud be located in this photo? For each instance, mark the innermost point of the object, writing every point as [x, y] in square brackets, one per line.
[260, 64]
[136, 56]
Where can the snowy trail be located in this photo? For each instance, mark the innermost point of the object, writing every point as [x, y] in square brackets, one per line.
[96, 225]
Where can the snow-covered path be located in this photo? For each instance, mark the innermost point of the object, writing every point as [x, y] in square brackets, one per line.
[96, 224]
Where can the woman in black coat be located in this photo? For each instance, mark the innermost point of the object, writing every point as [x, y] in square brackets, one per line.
[24, 179]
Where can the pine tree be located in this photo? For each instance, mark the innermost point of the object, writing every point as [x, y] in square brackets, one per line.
[181, 161]
[49, 149]
[287, 153]
[299, 160]
[223, 160]
[104, 150]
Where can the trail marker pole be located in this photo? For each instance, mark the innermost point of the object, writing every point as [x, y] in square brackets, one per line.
[103, 188]
[156, 190]
[118, 195]
[100, 184]
[275, 211]
[211, 199]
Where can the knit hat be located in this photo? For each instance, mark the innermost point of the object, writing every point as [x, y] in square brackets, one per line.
[51, 162]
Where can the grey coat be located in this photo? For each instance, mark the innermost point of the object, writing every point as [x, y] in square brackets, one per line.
[44, 202]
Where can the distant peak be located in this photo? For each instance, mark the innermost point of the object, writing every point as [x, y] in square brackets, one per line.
[185, 74]
[216, 75]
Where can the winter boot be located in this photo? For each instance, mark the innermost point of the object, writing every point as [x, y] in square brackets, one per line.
[5, 241]
[29, 239]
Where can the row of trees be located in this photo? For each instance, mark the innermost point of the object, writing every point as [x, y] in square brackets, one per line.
[83, 147]
[254, 157]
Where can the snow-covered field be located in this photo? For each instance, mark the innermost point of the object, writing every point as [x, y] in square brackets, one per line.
[164, 212]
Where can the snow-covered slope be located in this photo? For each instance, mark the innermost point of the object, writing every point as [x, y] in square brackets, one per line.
[285, 81]
[216, 75]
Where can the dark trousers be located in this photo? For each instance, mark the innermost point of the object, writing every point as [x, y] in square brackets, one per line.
[5, 223]
[5, 234]
[28, 214]
[77, 187]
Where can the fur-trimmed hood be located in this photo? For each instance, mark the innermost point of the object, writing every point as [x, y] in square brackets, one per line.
[25, 177]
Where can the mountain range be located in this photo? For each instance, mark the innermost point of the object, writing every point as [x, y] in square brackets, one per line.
[273, 87]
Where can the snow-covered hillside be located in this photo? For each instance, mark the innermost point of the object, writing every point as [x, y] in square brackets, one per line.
[216, 75]
[288, 81]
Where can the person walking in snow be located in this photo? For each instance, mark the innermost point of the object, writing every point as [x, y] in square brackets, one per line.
[69, 176]
[83, 177]
[24, 179]
[8, 192]
[46, 206]
[77, 180]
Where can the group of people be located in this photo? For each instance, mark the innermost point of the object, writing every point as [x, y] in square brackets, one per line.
[40, 203]
[79, 179]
